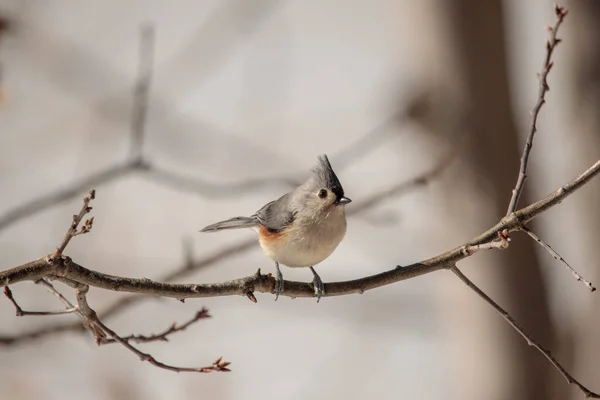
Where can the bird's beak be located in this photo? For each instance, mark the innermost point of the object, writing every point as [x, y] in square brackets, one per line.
[344, 200]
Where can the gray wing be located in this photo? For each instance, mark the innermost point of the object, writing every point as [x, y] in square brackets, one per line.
[276, 215]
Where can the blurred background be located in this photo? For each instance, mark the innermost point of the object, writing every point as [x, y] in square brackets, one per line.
[243, 96]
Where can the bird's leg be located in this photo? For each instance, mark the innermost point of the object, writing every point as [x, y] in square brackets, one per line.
[278, 282]
[318, 285]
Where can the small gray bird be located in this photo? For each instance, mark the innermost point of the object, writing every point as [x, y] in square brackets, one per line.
[301, 228]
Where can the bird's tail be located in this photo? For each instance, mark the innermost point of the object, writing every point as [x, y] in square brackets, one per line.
[233, 223]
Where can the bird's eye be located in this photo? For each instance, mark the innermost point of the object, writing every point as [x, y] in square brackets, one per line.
[322, 193]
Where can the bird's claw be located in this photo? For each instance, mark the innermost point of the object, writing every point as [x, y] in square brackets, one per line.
[278, 283]
[319, 287]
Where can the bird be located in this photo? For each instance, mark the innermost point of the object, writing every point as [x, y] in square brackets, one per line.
[302, 228]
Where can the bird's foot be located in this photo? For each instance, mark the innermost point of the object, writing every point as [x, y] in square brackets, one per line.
[318, 285]
[278, 282]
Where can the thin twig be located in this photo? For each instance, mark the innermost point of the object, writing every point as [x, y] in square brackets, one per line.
[551, 44]
[141, 94]
[559, 258]
[89, 317]
[164, 336]
[530, 341]
[21, 313]
[72, 231]
[52, 290]
[100, 331]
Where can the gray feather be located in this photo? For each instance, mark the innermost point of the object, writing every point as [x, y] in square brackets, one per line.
[233, 223]
[276, 215]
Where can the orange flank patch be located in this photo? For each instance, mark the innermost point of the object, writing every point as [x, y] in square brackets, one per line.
[271, 241]
[268, 237]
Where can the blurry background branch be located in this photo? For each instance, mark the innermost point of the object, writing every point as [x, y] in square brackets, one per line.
[136, 162]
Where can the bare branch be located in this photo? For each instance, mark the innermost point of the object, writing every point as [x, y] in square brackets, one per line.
[129, 301]
[559, 258]
[500, 244]
[102, 334]
[190, 266]
[530, 341]
[52, 290]
[21, 313]
[100, 331]
[163, 336]
[265, 283]
[72, 231]
[551, 44]
[80, 277]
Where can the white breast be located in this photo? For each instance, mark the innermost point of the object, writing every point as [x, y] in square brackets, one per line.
[307, 243]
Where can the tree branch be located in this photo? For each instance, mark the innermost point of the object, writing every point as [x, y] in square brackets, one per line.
[100, 331]
[265, 283]
[102, 334]
[551, 44]
[530, 341]
[190, 267]
[558, 257]
[164, 336]
[21, 313]
[72, 231]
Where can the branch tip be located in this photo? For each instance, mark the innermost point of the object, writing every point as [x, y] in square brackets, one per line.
[551, 44]
[559, 258]
[530, 341]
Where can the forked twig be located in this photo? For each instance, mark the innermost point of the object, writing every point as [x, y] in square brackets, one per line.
[164, 336]
[21, 313]
[101, 331]
[72, 231]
